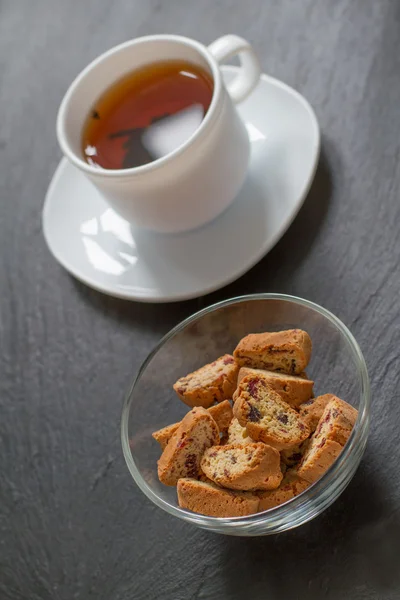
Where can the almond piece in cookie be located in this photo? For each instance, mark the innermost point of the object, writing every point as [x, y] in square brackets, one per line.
[292, 485]
[266, 416]
[221, 413]
[206, 498]
[243, 467]
[181, 457]
[332, 432]
[286, 351]
[212, 383]
[293, 390]
[238, 434]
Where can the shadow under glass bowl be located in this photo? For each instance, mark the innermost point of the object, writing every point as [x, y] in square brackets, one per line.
[337, 366]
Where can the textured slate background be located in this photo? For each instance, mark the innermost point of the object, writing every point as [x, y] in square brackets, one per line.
[72, 523]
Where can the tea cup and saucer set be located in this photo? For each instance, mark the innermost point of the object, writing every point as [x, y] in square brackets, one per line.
[200, 215]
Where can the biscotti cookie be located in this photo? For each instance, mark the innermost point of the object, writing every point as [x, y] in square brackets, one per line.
[181, 457]
[238, 434]
[209, 499]
[212, 383]
[243, 467]
[287, 351]
[162, 436]
[320, 455]
[292, 485]
[333, 430]
[293, 390]
[221, 413]
[311, 411]
[266, 416]
[337, 421]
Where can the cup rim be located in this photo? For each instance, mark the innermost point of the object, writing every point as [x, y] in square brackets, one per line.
[281, 513]
[143, 169]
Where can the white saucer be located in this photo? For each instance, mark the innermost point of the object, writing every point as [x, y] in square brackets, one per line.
[101, 249]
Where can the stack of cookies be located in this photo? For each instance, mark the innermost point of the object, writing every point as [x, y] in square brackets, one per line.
[255, 436]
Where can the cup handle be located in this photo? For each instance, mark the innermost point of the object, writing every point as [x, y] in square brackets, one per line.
[250, 71]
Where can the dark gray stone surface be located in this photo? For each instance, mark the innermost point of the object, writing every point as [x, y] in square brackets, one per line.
[72, 522]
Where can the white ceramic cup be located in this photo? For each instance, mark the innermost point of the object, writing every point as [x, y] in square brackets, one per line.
[196, 182]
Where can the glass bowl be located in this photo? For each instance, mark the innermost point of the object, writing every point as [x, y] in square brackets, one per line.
[337, 366]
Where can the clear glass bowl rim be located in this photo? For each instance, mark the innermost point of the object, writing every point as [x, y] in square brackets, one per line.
[280, 515]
